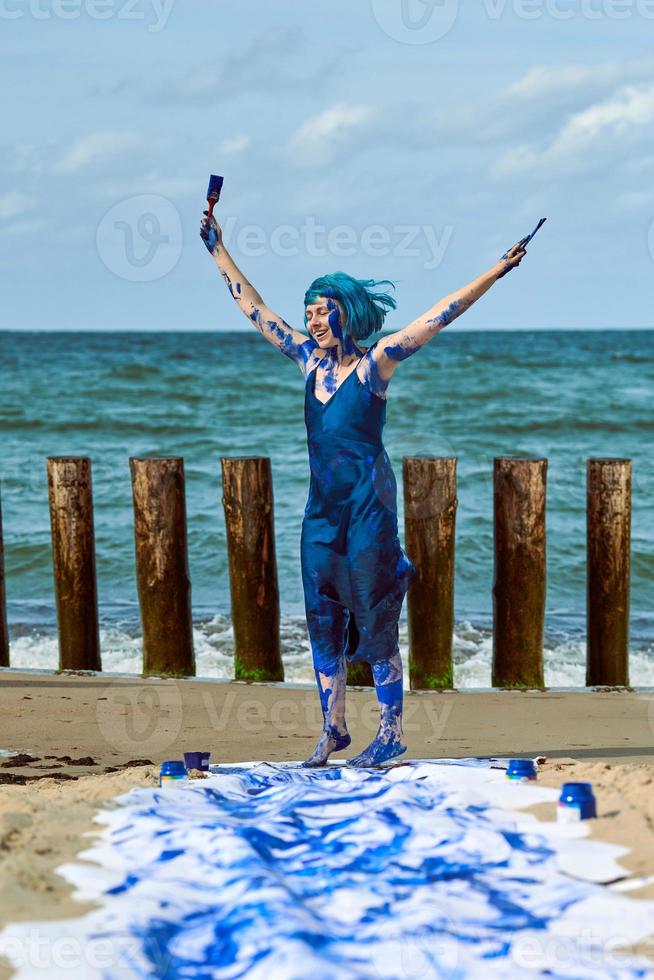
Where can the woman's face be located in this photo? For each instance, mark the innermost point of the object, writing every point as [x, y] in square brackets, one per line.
[324, 321]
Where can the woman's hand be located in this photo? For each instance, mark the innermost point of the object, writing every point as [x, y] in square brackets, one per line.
[211, 233]
[512, 258]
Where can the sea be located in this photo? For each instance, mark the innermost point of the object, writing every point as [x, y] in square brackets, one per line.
[563, 395]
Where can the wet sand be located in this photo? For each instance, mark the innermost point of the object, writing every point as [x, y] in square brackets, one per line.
[116, 719]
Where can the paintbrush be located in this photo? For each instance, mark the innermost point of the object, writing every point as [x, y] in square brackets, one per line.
[213, 193]
[523, 242]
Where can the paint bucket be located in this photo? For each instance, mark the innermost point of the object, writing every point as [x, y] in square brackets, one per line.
[523, 769]
[576, 802]
[197, 760]
[172, 774]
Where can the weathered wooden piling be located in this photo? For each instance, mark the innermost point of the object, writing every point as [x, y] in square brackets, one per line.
[359, 675]
[249, 519]
[519, 577]
[73, 555]
[4, 631]
[608, 539]
[430, 504]
[162, 574]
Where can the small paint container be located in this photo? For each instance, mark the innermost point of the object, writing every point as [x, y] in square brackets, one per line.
[522, 769]
[576, 802]
[197, 760]
[173, 775]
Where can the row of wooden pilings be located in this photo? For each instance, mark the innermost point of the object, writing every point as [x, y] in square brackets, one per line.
[430, 502]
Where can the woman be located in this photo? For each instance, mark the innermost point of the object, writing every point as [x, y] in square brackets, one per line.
[355, 574]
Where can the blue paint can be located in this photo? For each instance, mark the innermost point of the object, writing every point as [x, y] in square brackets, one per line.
[576, 802]
[197, 760]
[521, 769]
[172, 774]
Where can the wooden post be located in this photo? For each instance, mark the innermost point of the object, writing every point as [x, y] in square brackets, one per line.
[4, 631]
[430, 504]
[519, 573]
[249, 519]
[359, 675]
[164, 585]
[608, 536]
[73, 554]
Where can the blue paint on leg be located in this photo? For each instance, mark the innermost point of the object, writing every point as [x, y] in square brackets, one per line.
[334, 736]
[388, 743]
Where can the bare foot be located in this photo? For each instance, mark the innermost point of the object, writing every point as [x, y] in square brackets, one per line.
[380, 750]
[330, 741]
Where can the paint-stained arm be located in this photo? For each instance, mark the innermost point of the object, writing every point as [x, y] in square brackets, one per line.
[295, 345]
[403, 343]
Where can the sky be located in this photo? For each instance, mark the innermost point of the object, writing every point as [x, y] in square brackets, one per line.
[410, 140]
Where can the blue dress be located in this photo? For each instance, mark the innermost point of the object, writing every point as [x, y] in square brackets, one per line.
[354, 572]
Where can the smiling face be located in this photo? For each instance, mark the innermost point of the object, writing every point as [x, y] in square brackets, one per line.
[324, 321]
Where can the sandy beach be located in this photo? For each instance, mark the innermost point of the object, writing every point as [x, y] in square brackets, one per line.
[88, 738]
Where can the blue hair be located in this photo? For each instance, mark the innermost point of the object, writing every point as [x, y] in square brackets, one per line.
[364, 310]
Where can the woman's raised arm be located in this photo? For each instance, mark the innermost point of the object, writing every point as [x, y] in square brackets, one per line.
[295, 345]
[403, 343]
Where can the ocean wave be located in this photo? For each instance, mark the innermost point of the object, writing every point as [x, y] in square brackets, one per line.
[565, 396]
[564, 654]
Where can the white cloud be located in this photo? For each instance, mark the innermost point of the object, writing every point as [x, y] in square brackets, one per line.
[537, 101]
[25, 227]
[621, 114]
[547, 79]
[629, 107]
[236, 144]
[94, 147]
[314, 142]
[13, 204]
